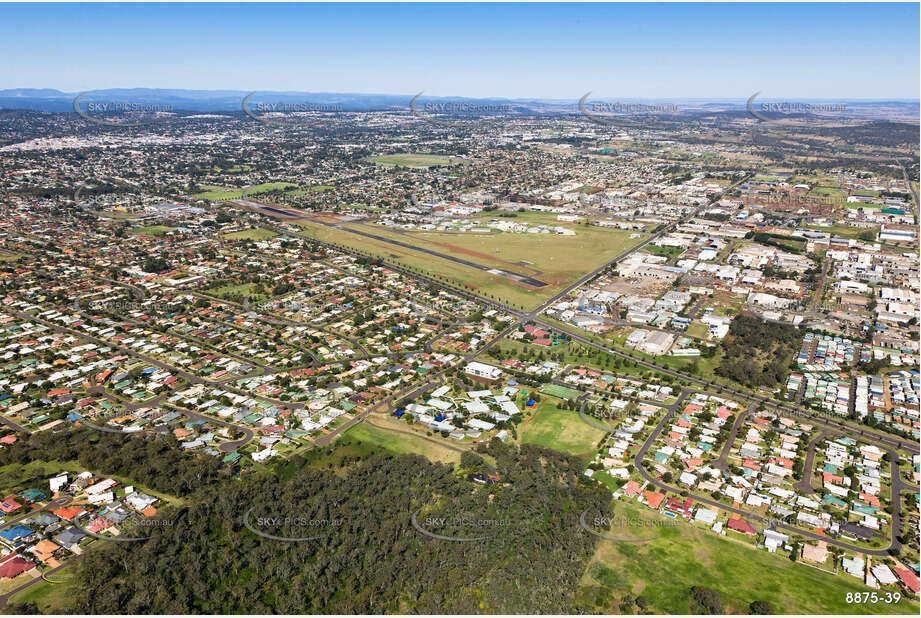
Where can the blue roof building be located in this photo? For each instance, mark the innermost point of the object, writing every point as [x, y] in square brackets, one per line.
[16, 532]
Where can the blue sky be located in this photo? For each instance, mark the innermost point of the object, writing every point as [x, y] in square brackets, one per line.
[709, 51]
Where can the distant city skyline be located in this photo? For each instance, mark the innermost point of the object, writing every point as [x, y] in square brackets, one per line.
[516, 51]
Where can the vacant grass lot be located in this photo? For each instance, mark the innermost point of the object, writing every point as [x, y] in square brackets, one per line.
[151, 230]
[668, 252]
[398, 442]
[414, 160]
[49, 598]
[828, 192]
[254, 234]
[663, 570]
[235, 290]
[561, 430]
[217, 194]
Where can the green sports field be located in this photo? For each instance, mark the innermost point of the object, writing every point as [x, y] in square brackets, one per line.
[561, 430]
[563, 392]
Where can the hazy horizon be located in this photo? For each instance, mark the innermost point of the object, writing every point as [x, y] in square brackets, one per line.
[512, 51]
[426, 95]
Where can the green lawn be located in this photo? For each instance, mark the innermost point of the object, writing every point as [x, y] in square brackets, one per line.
[698, 366]
[561, 430]
[151, 230]
[254, 234]
[571, 353]
[312, 189]
[698, 330]
[235, 290]
[668, 252]
[33, 474]
[828, 192]
[216, 194]
[843, 230]
[664, 569]
[607, 480]
[50, 598]
[398, 442]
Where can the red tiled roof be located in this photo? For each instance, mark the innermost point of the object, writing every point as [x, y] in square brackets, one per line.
[680, 507]
[68, 513]
[9, 504]
[654, 499]
[871, 500]
[15, 566]
[632, 488]
[99, 524]
[740, 525]
[693, 462]
[909, 579]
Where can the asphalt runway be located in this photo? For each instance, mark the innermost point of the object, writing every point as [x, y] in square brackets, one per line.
[537, 283]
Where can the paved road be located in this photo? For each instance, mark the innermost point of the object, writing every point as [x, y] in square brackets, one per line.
[697, 306]
[598, 422]
[12, 425]
[57, 503]
[598, 391]
[804, 485]
[914, 194]
[783, 408]
[385, 406]
[537, 283]
[415, 434]
[722, 462]
[189, 338]
[884, 439]
[191, 378]
[5, 598]
[441, 443]
[767, 522]
[819, 288]
[230, 446]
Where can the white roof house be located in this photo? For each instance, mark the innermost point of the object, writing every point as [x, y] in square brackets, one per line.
[482, 370]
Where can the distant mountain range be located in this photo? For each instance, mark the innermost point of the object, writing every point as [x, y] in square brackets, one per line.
[51, 100]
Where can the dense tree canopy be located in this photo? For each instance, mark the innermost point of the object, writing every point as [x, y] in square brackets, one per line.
[365, 555]
[756, 352]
